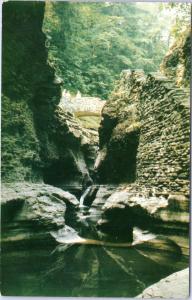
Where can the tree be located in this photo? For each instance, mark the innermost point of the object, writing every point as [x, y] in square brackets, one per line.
[91, 43]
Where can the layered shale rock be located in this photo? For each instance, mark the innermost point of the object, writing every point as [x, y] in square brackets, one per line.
[164, 145]
[76, 130]
[119, 135]
[77, 148]
[156, 136]
[128, 207]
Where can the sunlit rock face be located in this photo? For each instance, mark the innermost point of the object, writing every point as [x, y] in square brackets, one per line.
[77, 119]
[133, 206]
[169, 287]
[76, 151]
[177, 62]
[163, 152]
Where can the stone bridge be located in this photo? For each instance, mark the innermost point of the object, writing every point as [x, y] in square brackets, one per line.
[81, 105]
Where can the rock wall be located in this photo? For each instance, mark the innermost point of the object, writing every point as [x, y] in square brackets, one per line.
[177, 62]
[39, 143]
[164, 144]
[119, 135]
[149, 118]
[77, 148]
[29, 94]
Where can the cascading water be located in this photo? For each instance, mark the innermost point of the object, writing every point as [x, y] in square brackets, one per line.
[86, 192]
[85, 263]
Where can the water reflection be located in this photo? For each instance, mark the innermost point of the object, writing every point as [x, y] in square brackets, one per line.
[86, 270]
[83, 270]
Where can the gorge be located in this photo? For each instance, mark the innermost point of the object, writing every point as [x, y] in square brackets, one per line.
[97, 194]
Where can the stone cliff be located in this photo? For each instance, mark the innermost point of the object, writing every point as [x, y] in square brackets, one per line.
[29, 94]
[144, 132]
[38, 144]
[119, 135]
[149, 117]
[177, 62]
[145, 141]
[164, 144]
[142, 166]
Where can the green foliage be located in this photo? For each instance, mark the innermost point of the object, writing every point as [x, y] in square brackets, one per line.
[182, 20]
[177, 62]
[91, 43]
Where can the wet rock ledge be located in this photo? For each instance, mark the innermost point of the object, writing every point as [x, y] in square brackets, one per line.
[30, 211]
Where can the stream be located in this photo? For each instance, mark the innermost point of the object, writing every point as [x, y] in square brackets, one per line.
[83, 269]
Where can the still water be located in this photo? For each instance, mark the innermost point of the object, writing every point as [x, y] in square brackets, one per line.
[83, 270]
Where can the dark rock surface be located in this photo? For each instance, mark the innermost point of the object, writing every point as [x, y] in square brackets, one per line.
[119, 135]
[32, 209]
[29, 94]
[152, 108]
[39, 140]
[160, 119]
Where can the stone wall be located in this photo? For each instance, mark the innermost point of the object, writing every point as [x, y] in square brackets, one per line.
[164, 144]
[149, 118]
[154, 109]
[119, 134]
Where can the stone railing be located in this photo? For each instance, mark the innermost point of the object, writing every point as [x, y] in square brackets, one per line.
[81, 104]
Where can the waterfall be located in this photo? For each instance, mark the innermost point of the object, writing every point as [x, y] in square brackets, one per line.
[86, 192]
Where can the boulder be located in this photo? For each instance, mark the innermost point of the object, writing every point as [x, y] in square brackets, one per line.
[103, 193]
[127, 207]
[31, 210]
[175, 286]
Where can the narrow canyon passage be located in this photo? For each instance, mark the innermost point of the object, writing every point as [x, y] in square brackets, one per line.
[95, 149]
